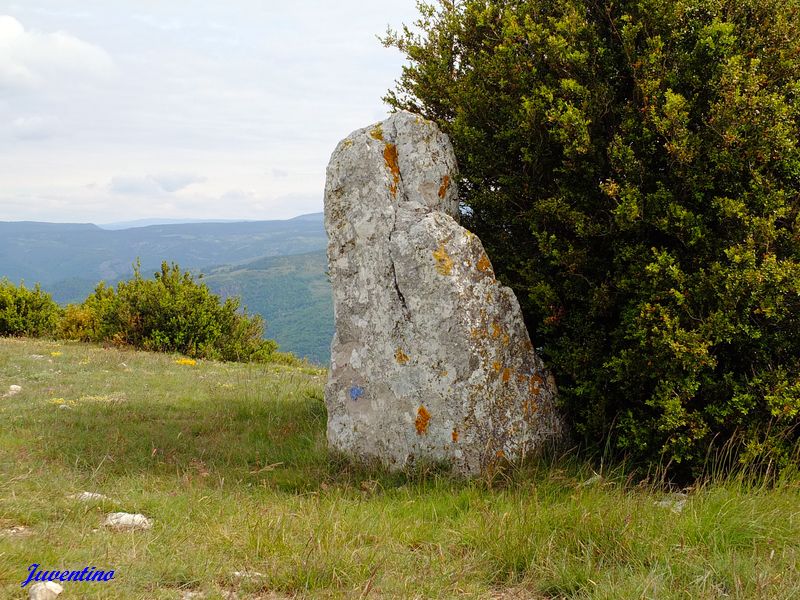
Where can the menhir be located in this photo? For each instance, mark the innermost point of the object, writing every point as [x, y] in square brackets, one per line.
[431, 361]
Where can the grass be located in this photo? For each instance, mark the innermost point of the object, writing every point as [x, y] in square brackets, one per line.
[230, 462]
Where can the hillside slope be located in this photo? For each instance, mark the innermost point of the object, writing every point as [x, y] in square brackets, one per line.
[230, 463]
[292, 293]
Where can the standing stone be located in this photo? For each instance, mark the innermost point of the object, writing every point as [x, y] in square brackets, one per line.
[431, 360]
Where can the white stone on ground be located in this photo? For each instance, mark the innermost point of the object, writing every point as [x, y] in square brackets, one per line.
[675, 503]
[16, 531]
[431, 360]
[248, 575]
[47, 590]
[89, 497]
[127, 521]
[593, 480]
[13, 390]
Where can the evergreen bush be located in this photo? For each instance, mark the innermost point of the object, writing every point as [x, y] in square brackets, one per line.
[633, 170]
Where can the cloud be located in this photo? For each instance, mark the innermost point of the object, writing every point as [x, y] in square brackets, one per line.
[29, 59]
[35, 127]
[280, 173]
[135, 186]
[173, 182]
[152, 185]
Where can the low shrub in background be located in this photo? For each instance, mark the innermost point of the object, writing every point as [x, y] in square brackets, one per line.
[171, 313]
[28, 312]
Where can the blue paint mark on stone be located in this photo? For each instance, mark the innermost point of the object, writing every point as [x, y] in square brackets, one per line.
[356, 393]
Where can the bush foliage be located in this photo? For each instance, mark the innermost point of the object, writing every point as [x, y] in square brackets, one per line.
[633, 169]
[169, 313]
[26, 312]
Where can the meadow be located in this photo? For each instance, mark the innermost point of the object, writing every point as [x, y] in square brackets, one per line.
[230, 462]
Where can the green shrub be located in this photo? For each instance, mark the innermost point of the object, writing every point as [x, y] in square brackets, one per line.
[170, 313]
[633, 169]
[26, 312]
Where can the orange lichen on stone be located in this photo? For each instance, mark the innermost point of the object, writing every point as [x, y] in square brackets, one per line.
[506, 375]
[497, 330]
[535, 384]
[390, 156]
[497, 366]
[444, 187]
[454, 435]
[443, 374]
[401, 357]
[422, 420]
[377, 132]
[500, 454]
[484, 265]
[444, 264]
[529, 407]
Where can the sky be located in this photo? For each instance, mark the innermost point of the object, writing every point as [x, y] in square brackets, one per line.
[116, 110]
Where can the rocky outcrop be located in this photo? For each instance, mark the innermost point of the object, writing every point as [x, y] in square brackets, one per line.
[431, 360]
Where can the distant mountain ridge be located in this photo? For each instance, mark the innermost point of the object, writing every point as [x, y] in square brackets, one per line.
[52, 252]
[278, 267]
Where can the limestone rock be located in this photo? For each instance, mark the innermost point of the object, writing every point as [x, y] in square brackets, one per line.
[431, 360]
[89, 497]
[47, 590]
[127, 521]
[16, 531]
[675, 503]
[13, 390]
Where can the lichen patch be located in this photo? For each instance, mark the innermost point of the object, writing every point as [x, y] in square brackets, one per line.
[422, 420]
[484, 264]
[444, 187]
[392, 162]
[401, 357]
[444, 264]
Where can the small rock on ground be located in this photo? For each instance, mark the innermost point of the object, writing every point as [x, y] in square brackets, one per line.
[594, 480]
[89, 497]
[517, 593]
[202, 595]
[47, 590]
[16, 531]
[127, 521]
[13, 390]
[248, 575]
[674, 503]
